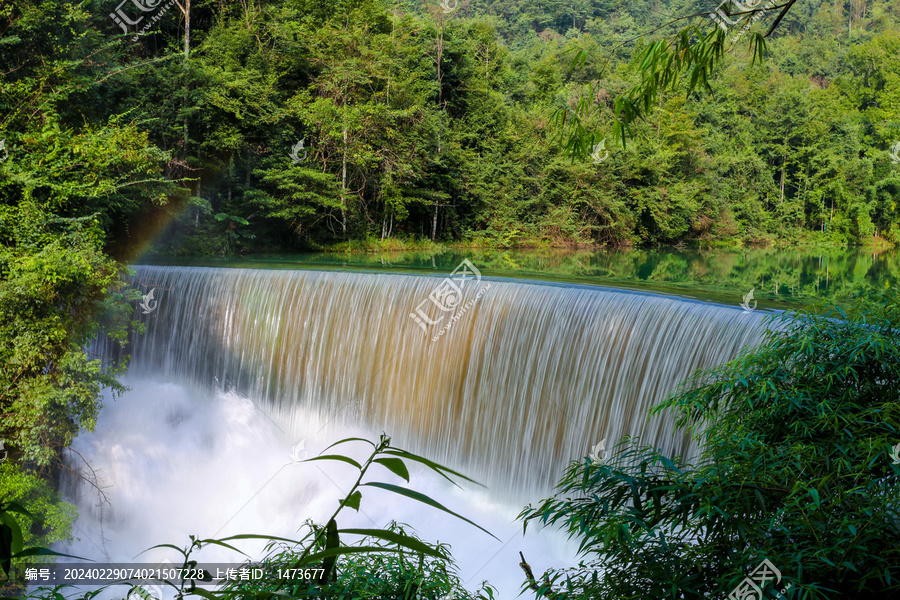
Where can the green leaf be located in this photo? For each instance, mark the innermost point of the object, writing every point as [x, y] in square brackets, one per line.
[396, 466]
[353, 500]
[317, 557]
[399, 539]
[253, 536]
[332, 542]
[18, 508]
[180, 551]
[345, 459]
[425, 500]
[37, 551]
[440, 469]
[815, 494]
[13, 532]
[199, 591]
[6, 543]
[351, 439]
[223, 544]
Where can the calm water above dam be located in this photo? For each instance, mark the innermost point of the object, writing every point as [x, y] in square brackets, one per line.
[781, 278]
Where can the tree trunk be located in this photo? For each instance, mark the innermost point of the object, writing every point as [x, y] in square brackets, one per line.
[440, 54]
[344, 187]
[186, 11]
[187, 29]
[434, 222]
[783, 160]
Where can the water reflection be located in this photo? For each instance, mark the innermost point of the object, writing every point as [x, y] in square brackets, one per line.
[780, 277]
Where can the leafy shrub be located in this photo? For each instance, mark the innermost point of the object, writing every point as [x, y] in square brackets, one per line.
[797, 468]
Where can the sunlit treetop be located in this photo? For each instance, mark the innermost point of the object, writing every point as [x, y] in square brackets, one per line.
[688, 57]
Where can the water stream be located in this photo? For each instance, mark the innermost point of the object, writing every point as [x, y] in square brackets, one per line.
[512, 381]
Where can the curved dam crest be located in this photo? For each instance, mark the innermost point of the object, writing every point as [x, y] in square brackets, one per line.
[530, 377]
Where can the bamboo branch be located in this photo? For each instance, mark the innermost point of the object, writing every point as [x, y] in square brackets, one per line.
[787, 7]
[137, 65]
[529, 575]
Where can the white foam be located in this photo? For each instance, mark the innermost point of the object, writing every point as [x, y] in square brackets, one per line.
[173, 462]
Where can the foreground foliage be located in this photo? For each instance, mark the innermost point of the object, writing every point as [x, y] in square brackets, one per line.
[797, 469]
[382, 563]
[57, 286]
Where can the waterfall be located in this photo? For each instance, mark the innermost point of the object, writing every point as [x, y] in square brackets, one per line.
[528, 377]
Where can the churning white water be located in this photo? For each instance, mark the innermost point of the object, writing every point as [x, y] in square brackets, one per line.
[529, 378]
[173, 462]
[237, 366]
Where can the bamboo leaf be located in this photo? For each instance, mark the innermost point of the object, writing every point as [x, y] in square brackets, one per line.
[332, 542]
[316, 557]
[399, 539]
[223, 544]
[395, 465]
[351, 439]
[431, 465]
[37, 551]
[253, 536]
[199, 591]
[353, 500]
[425, 500]
[345, 459]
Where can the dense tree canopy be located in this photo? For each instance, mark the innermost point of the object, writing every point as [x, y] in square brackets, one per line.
[441, 121]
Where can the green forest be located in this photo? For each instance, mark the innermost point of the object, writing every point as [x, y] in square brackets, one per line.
[205, 128]
[288, 125]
